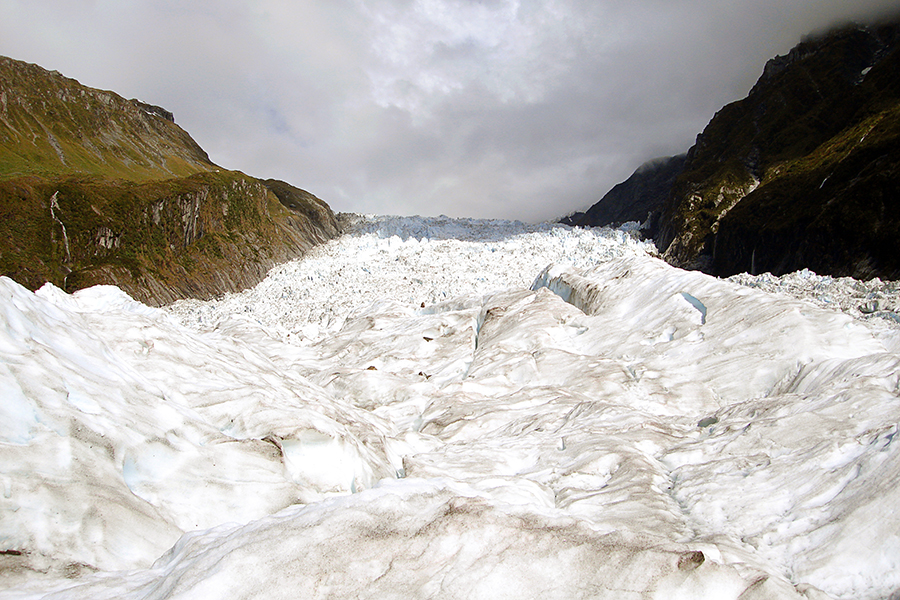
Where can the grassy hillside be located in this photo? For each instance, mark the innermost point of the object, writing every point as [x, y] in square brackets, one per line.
[98, 189]
[53, 125]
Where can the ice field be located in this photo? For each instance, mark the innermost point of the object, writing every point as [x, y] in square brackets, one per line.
[439, 408]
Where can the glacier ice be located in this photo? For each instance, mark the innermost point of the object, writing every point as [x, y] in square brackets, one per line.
[445, 408]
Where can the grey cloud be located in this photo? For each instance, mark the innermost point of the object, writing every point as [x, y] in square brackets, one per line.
[505, 108]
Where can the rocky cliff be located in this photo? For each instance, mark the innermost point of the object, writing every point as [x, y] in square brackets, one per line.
[98, 189]
[638, 198]
[803, 172]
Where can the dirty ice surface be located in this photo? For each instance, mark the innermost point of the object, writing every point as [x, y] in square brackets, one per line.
[436, 408]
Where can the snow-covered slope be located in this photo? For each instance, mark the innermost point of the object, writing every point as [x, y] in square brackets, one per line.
[436, 408]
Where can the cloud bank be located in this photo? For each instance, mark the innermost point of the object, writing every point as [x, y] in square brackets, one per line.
[494, 108]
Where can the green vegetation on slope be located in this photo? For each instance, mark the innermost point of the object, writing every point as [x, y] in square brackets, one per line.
[52, 125]
[98, 189]
[834, 210]
[792, 156]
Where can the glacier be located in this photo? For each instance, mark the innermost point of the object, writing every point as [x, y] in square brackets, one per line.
[455, 408]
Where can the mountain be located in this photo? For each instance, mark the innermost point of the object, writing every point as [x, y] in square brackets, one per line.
[804, 171]
[97, 189]
[638, 198]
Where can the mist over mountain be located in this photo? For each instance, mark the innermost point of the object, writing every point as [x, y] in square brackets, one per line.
[97, 189]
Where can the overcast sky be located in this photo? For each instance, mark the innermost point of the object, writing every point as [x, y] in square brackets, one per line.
[524, 109]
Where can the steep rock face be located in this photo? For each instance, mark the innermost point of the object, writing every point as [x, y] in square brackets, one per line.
[98, 189]
[802, 172]
[192, 237]
[638, 198]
